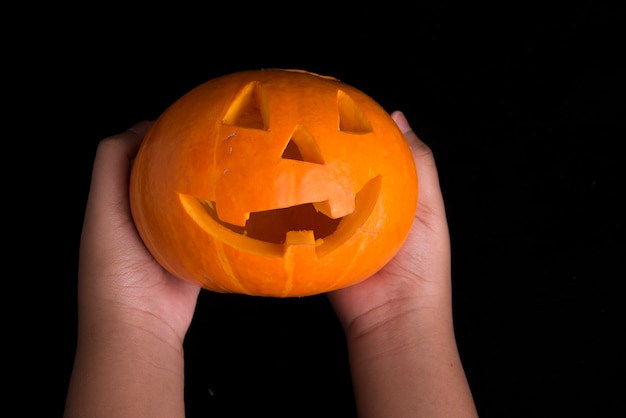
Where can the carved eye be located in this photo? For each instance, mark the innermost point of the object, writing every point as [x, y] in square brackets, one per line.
[249, 109]
[351, 117]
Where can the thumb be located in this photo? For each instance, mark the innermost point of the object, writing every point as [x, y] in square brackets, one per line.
[429, 192]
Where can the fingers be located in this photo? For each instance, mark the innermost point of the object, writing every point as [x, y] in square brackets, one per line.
[141, 128]
[429, 189]
[126, 143]
[111, 169]
[418, 147]
[401, 121]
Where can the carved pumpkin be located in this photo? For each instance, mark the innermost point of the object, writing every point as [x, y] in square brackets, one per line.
[273, 183]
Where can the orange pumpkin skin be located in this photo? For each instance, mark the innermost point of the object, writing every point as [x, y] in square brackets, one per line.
[273, 183]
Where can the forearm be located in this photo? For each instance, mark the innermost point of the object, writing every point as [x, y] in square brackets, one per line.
[126, 372]
[408, 366]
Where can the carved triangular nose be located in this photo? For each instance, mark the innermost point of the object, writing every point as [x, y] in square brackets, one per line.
[302, 147]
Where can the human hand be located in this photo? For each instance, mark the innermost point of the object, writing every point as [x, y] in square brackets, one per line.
[399, 327]
[118, 278]
[418, 277]
[132, 314]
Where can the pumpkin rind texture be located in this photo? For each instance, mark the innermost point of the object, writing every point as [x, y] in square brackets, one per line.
[273, 183]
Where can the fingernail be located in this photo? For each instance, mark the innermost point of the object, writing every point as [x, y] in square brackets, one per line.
[141, 128]
[401, 121]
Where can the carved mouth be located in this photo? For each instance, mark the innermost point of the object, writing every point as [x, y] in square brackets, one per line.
[272, 225]
[269, 232]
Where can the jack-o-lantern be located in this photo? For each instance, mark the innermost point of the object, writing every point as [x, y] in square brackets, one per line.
[273, 183]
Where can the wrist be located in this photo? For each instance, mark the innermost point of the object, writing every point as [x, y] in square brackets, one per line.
[404, 362]
[126, 367]
[403, 322]
[127, 326]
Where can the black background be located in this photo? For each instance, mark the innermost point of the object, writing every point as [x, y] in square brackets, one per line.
[522, 107]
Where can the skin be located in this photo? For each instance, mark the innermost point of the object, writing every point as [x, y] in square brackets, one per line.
[134, 315]
[398, 323]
